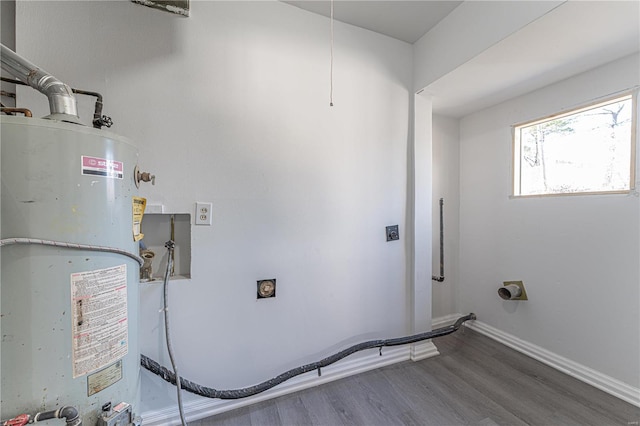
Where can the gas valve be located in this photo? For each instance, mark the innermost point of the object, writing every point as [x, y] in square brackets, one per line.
[105, 121]
[139, 176]
[120, 415]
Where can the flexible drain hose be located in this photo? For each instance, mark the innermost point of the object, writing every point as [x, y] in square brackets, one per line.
[170, 245]
[10, 241]
[197, 389]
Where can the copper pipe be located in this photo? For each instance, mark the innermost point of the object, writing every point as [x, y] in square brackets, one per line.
[26, 112]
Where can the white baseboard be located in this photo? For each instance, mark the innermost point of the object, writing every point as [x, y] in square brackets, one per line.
[423, 350]
[203, 407]
[445, 320]
[592, 377]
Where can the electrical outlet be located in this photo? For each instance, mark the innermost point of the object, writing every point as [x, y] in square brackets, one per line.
[203, 213]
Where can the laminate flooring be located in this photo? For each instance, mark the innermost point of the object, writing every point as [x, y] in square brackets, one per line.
[474, 381]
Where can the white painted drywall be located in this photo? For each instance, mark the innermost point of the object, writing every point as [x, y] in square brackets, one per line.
[577, 255]
[468, 30]
[446, 185]
[522, 61]
[7, 18]
[420, 311]
[230, 106]
[8, 37]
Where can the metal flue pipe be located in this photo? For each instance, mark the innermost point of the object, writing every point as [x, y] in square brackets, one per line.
[62, 102]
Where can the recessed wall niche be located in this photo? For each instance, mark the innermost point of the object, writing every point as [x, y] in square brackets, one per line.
[158, 228]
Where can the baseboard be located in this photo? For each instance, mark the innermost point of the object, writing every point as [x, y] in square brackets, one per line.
[423, 350]
[445, 320]
[201, 408]
[592, 377]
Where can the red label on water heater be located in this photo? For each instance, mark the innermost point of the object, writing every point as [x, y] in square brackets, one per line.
[95, 166]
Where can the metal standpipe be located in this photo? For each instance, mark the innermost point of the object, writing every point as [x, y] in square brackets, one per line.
[441, 277]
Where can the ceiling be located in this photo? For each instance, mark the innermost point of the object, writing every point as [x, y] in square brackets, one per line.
[554, 47]
[400, 19]
[572, 38]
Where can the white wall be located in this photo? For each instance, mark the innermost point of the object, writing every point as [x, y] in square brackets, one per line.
[231, 106]
[420, 311]
[8, 37]
[446, 185]
[7, 18]
[577, 255]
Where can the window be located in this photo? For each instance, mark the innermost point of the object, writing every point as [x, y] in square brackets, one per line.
[586, 150]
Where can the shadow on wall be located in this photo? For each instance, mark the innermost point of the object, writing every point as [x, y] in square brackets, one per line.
[99, 50]
[157, 32]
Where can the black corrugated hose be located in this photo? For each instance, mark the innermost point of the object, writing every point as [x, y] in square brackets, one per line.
[197, 389]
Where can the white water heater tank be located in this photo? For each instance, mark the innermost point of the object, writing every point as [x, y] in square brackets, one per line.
[69, 317]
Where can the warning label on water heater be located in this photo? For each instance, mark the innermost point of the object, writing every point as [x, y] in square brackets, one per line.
[95, 166]
[99, 328]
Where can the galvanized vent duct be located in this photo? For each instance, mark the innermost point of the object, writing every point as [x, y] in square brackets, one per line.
[62, 102]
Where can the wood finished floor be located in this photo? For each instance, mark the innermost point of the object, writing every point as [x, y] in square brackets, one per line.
[475, 381]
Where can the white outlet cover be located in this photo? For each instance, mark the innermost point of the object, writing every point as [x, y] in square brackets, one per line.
[204, 213]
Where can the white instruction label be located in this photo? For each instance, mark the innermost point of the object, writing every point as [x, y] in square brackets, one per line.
[99, 328]
[104, 378]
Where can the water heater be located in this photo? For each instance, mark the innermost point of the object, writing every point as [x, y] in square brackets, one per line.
[69, 225]
[69, 315]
